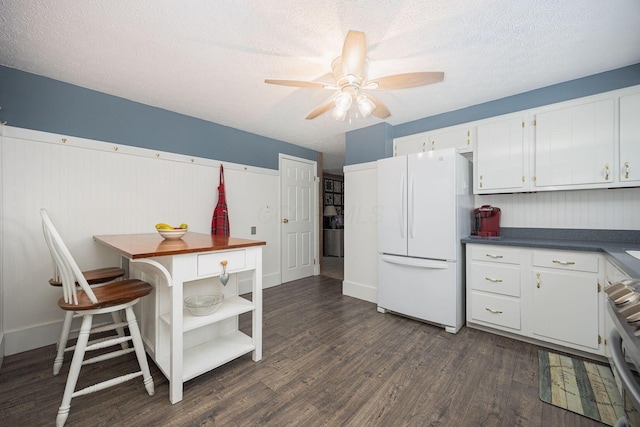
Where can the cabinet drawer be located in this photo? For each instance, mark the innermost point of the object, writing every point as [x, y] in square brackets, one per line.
[572, 261]
[497, 279]
[495, 309]
[210, 264]
[495, 254]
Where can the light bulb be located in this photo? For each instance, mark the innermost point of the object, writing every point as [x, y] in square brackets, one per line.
[339, 114]
[365, 105]
[343, 101]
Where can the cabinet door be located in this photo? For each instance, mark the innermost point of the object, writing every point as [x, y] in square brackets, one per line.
[630, 138]
[458, 138]
[392, 205]
[565, 307]
[575, 145]
[500, 157]
[410, 145]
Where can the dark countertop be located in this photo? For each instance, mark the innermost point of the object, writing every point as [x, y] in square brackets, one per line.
[611, 242]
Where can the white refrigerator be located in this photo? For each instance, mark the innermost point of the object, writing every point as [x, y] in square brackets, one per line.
[425, 204]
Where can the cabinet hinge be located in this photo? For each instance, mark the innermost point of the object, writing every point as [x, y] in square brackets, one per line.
[314, 261]
[523, 123]
[522, 178]
[534, 179]
[535, 122]
[599, 340]
[599, 287]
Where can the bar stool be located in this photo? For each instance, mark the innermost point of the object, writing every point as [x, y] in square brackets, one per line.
[94, 277]
[87, 301]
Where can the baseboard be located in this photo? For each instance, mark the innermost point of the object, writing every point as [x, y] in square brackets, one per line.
[245, 285]
[360, 291]
[1, 349]
[41, 335]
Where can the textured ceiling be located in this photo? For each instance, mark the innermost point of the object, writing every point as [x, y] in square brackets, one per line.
[209, 59]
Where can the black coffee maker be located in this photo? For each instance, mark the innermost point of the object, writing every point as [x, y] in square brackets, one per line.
[486, 221]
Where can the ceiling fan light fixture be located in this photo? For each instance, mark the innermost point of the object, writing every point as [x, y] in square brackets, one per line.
[365, 105]
[339, 114]
[343, 101]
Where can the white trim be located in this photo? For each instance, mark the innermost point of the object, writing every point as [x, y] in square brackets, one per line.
[71, 141]
[360, 291]
[360, 167]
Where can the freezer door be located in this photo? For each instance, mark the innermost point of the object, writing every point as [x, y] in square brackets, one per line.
[432, 211]
[424, 289]
[392, 205]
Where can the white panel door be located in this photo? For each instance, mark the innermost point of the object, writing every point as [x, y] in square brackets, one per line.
[630, 138]
[298, 218]
[392, 205]
[575, 145]
[565, 307]
[431, 205]
[500, 156]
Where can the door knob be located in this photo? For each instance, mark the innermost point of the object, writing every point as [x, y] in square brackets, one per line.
[285, 220]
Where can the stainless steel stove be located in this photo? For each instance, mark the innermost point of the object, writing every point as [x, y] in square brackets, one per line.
[625, 363]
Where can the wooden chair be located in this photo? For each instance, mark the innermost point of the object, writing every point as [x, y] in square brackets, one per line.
[94, 277]
[80, 298]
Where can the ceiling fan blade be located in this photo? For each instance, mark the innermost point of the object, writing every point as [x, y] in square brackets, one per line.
[321, 109]
[299, 83]
[404, 81]
[354, 53]
[381, 110]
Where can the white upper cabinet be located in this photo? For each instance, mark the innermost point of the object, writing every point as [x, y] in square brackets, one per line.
[591, 142]
[460, 137]
[629, 166]
[501, 156]
[574, 145]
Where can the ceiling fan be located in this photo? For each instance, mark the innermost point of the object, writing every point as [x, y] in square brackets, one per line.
[351, 80]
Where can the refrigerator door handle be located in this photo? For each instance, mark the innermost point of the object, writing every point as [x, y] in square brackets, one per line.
[402, 205]
[411, 206]
[416, 262]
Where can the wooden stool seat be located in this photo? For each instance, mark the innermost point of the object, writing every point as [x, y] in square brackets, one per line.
[97, 276]
[116, 293]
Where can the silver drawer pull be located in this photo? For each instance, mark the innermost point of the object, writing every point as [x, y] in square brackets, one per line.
[492, 310]
[494, 256]
[563, 262]
[493, 280]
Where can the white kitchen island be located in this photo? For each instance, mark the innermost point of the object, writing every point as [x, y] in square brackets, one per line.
[184, 346]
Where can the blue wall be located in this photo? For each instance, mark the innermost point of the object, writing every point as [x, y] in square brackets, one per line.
[370, 144]
[373, 142]
[35, 102]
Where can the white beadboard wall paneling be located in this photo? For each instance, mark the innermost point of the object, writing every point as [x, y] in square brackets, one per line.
[91, 187]
[360, 232]
[606, 209]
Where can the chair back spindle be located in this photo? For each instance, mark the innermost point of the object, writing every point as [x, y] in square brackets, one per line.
[70, 273]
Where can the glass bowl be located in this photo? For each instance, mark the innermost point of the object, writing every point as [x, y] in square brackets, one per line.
[203, 305]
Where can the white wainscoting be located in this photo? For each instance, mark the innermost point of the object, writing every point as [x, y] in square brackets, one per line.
[360, 232]
[91, 188]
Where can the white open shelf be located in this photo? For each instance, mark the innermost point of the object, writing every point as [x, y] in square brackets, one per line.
[232, 306]
[209, 355]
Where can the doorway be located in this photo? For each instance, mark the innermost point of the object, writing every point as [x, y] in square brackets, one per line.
[298, 237]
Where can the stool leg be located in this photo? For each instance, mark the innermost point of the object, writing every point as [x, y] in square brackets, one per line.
[62, 342]
[139, 348]
[117, 318]
[74, 369]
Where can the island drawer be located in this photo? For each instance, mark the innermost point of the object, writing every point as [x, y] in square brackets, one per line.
[211, 263]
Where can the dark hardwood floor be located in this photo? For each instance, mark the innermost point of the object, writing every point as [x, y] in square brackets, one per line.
[329, 360]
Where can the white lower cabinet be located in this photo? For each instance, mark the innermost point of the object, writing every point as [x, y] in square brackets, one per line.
[544, 295]
[493, 286]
